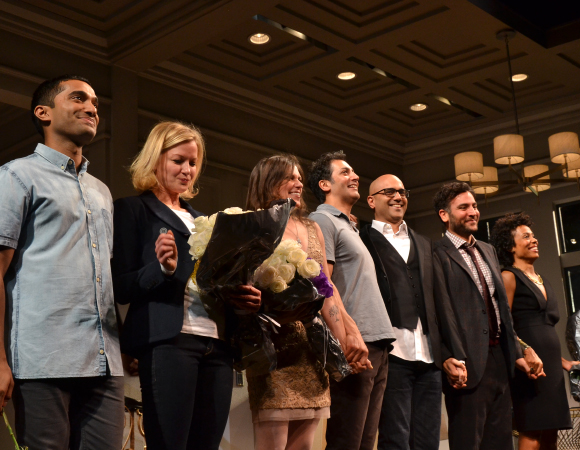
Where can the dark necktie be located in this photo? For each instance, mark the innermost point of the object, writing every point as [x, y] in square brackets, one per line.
[491, 315]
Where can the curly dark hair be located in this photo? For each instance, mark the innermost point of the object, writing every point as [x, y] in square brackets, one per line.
[45, 93]
[447, 193]
[321, 170]
[502, 235]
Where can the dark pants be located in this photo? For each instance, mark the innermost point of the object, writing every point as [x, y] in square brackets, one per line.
[69, 413]
[411, 414]
[481, 418]
[355, 405]
[187, 389]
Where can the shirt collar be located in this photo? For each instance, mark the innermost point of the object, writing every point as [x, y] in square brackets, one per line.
[458, 242]
[60, 159]
[336, 212]
[387, 229]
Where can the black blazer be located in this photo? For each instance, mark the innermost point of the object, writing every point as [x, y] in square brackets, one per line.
[456, 285]
[156, 301]
[441, 343]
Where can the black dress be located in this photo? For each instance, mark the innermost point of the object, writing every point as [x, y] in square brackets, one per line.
[539, 404]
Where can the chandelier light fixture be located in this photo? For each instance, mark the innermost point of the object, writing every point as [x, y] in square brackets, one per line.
[508, 149]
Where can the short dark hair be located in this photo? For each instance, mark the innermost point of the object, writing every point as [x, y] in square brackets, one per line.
[321, 170]
[502, 235]
[45, 93]
[448, 192]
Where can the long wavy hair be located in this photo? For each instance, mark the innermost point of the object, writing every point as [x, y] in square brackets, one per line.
[162, 137]
[266, 180]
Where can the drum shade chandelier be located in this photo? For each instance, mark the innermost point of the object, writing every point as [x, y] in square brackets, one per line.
[508, 149]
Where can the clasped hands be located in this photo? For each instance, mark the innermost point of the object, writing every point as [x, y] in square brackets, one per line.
[456, 373]
[531, 364]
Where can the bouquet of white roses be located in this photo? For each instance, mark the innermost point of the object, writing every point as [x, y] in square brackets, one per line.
[279, 270]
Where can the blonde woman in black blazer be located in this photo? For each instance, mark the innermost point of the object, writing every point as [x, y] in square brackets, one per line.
[185, 368]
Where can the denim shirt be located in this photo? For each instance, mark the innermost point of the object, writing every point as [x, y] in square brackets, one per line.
[59, 293]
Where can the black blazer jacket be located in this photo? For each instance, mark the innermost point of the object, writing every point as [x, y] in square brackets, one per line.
[456, 285]
[444, 339]
[156, 300]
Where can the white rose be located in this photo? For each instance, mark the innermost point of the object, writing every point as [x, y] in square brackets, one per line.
[266, 276]
[197, 249]
[205, 236]
[212, 219]
[276, 260]
[309, 269]
[286, 246]
[234, 210]
[296, 256]
[287, 272]
[278, 285]
[201, 224]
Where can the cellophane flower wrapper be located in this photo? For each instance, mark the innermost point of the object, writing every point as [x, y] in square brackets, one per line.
[301, 301]
[239, 243]
[327, 349]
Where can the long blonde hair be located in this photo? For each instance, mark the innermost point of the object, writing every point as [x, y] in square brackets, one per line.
[162, 137]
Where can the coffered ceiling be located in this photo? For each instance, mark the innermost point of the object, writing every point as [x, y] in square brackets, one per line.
[443, 53]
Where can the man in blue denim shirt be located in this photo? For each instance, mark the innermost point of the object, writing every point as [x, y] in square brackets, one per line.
[62, 356]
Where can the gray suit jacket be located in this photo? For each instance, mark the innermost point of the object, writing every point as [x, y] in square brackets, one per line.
[456, 285]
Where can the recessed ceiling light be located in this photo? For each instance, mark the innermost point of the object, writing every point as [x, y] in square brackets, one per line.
[418, 107]
[346, 75]
[519, 77]
[259, 38]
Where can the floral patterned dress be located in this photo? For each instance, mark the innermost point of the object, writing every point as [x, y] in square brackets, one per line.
[298, 389]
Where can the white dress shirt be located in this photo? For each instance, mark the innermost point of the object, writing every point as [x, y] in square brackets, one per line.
[411, 345]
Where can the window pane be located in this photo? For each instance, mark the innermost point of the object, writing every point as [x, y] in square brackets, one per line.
[484, 228]
[569, 224]
[572, 277]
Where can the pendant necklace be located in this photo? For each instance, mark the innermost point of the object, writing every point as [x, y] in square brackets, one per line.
[538, 280]
[296, 234]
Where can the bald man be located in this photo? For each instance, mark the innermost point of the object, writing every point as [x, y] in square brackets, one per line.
[411, 411]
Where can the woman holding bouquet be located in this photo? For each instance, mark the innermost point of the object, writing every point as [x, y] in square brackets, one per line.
[288, 403]
[185, 369]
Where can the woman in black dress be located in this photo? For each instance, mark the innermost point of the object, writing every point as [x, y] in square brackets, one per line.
[540, 405]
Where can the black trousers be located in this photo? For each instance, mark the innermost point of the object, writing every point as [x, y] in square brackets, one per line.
[481, 418]
[187, 390]
[355, 406]
[411, 414]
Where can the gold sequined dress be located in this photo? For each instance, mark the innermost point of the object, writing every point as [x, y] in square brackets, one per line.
[298, 389]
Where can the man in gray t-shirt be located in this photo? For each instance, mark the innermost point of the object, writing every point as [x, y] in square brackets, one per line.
[356, 401]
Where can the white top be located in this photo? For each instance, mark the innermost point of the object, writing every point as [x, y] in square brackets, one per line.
[411, 345]
[195, 317]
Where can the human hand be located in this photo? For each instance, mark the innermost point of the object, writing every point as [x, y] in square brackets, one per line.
[522, 365]
[166, 251]
[355, 350]
[456, 373]
[358, 367]
[130, 364]
[534, 363]
[567, 365]
[6, 383]
[245, 297]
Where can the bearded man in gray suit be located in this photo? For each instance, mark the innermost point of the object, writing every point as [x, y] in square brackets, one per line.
[467, 275]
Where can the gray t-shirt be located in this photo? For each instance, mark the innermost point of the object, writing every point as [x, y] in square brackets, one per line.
[354, 273]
